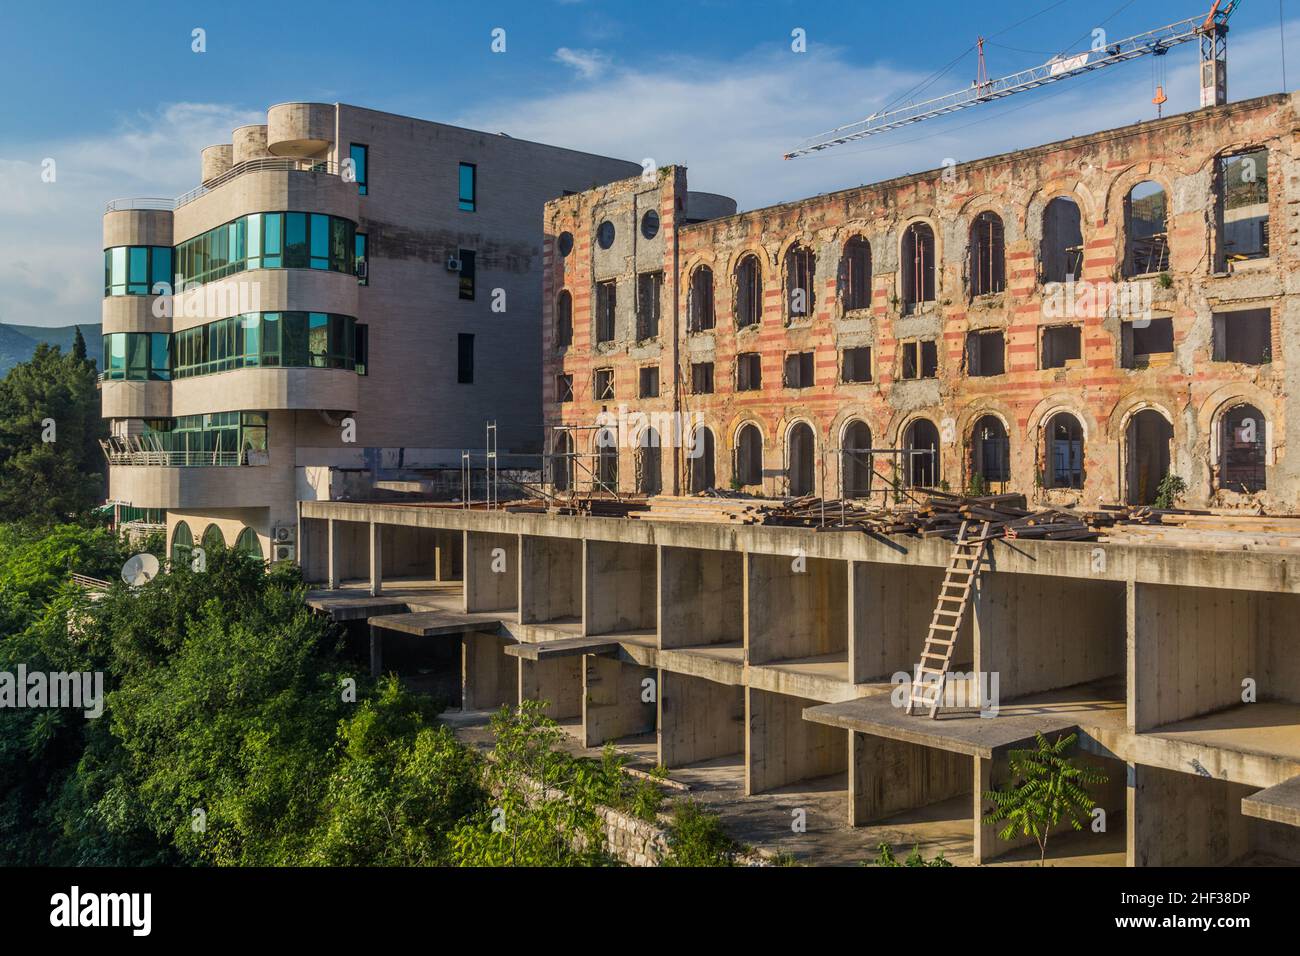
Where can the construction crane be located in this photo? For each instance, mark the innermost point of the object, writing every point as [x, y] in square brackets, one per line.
[1211, 30]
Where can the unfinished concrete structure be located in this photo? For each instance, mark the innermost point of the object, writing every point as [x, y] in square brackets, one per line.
[774, 654]
[1074, 321]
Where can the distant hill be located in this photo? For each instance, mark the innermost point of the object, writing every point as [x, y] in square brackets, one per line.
[18, 342]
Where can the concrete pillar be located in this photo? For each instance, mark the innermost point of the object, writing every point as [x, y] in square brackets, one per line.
[335, 555]
[376, 559]
[614, 700]
[698, 719]
[376, 651]
[782, 748]
[890, 776]
[491, 572]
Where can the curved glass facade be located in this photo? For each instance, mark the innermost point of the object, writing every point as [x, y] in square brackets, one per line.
[269, 240]
[137, 357]
[267, 340]
[135, 270]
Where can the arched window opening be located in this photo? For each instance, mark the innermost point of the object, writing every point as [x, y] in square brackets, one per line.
[990, 453]
[1064, 437]
[917, 266]
[988, 260]
[182, 544]
[749, 455]
[1061, 251]
[1147, 439]
[700, 316]
[802, 451]
[702, 461]
[607, 460]
[859, 464]
[1243, 450]
[855, 274]
[800, 278]
[1146, 227]
[248, 544]
[749, 292]
[921, 465]
[563, 320]
[648, 459]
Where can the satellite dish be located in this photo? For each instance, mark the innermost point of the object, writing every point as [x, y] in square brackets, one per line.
[140, 569]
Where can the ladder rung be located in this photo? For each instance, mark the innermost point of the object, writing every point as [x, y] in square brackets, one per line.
[943, 627]
[935, 640]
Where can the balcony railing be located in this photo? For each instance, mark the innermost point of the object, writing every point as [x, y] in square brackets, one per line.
[138, 451]
[239, 169]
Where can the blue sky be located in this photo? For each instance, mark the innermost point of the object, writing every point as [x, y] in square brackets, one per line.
[114, 94]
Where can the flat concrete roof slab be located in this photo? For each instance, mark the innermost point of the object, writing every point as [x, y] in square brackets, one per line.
[1280, 804]
[354, 607]
[436, 623]
[963, 733]
[564, 647]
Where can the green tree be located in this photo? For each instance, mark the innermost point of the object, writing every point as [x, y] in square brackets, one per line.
[79, 345]
[51, 467]
[1046, 788]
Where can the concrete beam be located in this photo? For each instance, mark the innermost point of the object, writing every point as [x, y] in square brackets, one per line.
[376, 559]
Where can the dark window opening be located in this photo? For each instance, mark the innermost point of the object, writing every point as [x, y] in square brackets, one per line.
[749, 372]
[921, 461]
[604, 384]
[799, 370]
[564, 388]
[1062, 249]
[1245, 337]
[1148, 439]
[1141, 340]
[859, 463]
[565, 244]
[650, 224]
[561, 458]
[700, 311]
[1242, 214]
[749, 292]
[855, 274]
[856, 366]
[361, 252]
[361, 349]
[702, 378]
[563, 320]
[648, 463]
[990, 451]
[985, 354]
[1242, 452]
[649, 382]
[701, 457]
[1062, 346]
[607, 459]
[988, 262]
[466, 257]
[749, 455]
[800, 276]
[605, 234]
[803, 450]
[1146, 222]
[1064, 452]
[917, 266]
[606, 308]
[465, 359]
[649, 294]
[920, 359]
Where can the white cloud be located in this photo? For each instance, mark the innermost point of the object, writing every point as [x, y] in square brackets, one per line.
[731, 122]
[51, 264]
[589, 64]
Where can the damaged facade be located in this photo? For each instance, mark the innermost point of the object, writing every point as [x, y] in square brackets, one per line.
[1074, 321]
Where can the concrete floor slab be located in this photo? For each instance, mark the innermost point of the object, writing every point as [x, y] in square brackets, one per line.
[563, 647]
[1279, 804]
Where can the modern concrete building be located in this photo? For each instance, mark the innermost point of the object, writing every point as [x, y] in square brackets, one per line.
[1073, 321]
[349, 295]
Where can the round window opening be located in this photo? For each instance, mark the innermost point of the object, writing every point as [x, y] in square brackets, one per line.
[605, 234]
[650, 224]
[566, 243]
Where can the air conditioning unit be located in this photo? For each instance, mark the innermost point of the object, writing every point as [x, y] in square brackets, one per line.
[453, 264]
[283, 534]
[284, 552]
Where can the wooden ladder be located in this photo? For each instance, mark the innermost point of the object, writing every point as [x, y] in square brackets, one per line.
[949, 611]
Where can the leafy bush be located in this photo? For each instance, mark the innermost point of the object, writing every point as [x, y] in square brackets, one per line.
[696, 838]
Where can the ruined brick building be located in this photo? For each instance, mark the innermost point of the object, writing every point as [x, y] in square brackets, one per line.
[1074, 321]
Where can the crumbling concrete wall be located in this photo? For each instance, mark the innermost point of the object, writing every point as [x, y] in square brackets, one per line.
[1190, 390]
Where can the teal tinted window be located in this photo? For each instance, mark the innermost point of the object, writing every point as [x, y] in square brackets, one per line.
[360, 155]
[295, 240]
[320, 242]
[272, 240]
[468, 187]
[160, 356]
[136, 270]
